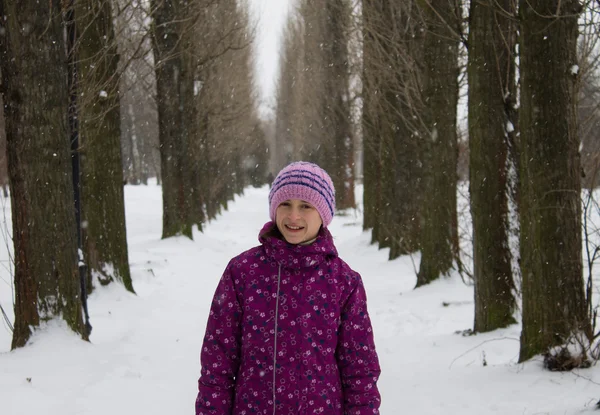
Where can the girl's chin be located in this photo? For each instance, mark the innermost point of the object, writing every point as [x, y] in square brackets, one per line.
[293, 239]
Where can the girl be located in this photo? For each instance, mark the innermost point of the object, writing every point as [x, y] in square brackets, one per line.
[288, 331]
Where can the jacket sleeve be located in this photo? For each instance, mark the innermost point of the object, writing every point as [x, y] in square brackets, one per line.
[356, 356]
[220, 355]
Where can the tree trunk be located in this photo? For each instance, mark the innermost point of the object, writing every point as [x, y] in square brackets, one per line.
[370, 124]
[408, 159]
[392, 178]
[103, 211]
[3, 161]
[408, 183]
[36, 109]
[175, 89]
[137, 89]
[550, 174]
[127, 131]
[387, 186]
[440, 94]
[337, 103]
[490, 70]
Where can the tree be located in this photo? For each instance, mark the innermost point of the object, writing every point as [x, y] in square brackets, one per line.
[175, 92]
[103, 212]
[289, 138]
[3, 161]
[36, 108]
[338, 126]
[554, 307]
[370, 119]
[314, 118]
[207, 115]
[439, 238]
[229, 149]
[408, 133]
[378, 98]
[137, 90]
[392, 124]
[492, 36]
[588, 106]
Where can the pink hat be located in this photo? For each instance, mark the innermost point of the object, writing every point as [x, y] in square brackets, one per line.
[304, 181]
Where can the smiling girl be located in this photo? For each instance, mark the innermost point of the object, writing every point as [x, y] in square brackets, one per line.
[288, 331]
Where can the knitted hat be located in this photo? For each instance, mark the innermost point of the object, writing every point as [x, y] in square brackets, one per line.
[304, 181]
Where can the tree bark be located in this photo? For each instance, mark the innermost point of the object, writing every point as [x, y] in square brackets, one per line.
[407, 174]
[103, 206]
[175, 88]
[440, 95]
[137, 90]
[36, 109]
[370, 121]
[550, 177]
[491, 84]
[314, 120]
[3, 161]
[391, 138]
[337, 103]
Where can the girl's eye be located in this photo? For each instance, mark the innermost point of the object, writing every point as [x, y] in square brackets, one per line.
[306, 207]
[285, 204]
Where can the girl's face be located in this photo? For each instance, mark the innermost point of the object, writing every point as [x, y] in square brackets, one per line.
[298, 221]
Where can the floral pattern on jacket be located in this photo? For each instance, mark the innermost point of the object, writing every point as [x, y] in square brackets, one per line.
[289, 334]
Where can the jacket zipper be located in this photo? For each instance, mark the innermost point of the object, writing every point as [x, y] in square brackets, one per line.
[275, 340]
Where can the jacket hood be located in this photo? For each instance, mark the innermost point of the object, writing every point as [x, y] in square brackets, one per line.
[290, 255]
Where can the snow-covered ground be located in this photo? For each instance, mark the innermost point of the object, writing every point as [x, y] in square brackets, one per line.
[143, 353]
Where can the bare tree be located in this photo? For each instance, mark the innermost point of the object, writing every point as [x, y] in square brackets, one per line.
[230, 150]
[392, 124]
[103, 206]
[554, 307]
[588, 104]
[137, 89]
[41, 186]
[288, 137]
[439, 238]
[491, 71]
[314, 119]
[172, 21]
[3, 161]
[337, 150]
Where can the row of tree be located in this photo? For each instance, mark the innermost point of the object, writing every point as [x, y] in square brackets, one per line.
[519, 62]
[313, 119]
[127, 83]
[170, 80]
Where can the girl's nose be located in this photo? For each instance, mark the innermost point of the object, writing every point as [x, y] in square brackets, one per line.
[294, 213]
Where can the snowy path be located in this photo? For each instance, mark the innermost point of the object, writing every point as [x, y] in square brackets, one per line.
[143, 354]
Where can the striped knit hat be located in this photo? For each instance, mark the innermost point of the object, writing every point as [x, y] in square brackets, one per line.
[304, 181]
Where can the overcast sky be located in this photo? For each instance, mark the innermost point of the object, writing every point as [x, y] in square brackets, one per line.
[271, 15]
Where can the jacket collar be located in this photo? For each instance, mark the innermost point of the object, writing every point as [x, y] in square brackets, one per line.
[296, 256]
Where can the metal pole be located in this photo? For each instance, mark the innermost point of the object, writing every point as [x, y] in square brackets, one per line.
[75, 158]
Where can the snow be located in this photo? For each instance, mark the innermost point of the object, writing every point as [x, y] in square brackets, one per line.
[142, 357]
[509, 127]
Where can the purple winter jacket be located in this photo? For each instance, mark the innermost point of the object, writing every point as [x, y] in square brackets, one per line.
[322, 360]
